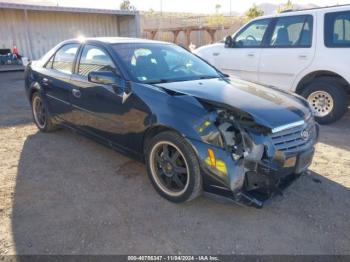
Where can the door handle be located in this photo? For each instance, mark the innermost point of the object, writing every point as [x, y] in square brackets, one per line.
[76, 93]
[45, 81]
[302, 56]
[251, 54]
[216, 54]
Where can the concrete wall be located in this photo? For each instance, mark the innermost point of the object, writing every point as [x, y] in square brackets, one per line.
[35, 32]
[129, 26]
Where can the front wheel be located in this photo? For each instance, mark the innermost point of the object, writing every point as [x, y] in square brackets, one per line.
[173, 167]
[328, 100]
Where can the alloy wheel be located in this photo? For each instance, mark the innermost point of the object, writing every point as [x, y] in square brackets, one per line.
[169, 168]
[39, 112]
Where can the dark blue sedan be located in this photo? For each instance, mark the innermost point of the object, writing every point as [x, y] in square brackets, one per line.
[194, 127]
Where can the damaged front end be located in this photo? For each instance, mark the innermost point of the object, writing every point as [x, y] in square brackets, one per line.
[248, 162]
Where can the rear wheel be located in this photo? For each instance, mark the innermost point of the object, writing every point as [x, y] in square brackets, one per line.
[173, 167]
[41, 116]
[327, 99]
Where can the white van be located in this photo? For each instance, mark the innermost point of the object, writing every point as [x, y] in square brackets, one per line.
[306, 51]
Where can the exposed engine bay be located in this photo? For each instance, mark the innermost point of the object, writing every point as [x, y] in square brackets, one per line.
[261, 167]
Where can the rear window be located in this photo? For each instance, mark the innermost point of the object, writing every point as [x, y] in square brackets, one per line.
[337, 29]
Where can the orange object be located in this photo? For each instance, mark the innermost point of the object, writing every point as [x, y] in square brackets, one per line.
[212, 157]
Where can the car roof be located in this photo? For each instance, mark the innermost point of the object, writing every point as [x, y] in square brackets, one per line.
[115, 40]
[337, 8]
[320, 9]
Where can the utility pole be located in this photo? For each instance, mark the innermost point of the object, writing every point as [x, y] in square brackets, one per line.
[230, 7]
[161, 7]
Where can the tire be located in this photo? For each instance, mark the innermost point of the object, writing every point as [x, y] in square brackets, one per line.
[332, 94]
[186, 160]
[44, 121]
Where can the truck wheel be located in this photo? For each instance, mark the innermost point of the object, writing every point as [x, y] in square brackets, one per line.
[41, 116]
[173, 167]
[327, 99]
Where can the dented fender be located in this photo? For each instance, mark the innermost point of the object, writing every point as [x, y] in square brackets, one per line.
[225, 172]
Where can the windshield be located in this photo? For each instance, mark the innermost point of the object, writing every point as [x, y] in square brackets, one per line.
[160, 63]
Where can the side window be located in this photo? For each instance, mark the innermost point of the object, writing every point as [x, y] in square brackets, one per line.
[337, 29]
[94, 59]
[292, 31]
[49, 63]
[64, 58]
[253, 34]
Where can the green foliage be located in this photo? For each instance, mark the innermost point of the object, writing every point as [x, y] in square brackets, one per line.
[217, 19]
[254, 12]
[217, 8]
[127, 6]
[151, 12]
[287, 6]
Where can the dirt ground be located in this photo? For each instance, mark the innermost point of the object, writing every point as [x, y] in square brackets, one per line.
[61, 193]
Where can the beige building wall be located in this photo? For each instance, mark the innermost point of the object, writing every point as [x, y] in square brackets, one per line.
[35, 32]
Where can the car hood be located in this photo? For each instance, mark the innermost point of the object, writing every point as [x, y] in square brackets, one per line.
[268, 106]
[208, 47]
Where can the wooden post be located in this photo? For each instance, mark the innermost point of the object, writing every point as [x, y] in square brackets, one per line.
[176, 34]
[153, 34]
[187, 31]
[212, 34]
[188, 37]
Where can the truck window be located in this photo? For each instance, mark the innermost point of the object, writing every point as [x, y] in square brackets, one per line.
[292, 31]
[253, 34]
[337, 29]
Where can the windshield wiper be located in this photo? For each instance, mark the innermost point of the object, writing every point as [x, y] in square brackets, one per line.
[208, 77]
[157, 81]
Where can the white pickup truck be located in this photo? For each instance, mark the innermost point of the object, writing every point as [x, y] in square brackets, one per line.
[306, 51]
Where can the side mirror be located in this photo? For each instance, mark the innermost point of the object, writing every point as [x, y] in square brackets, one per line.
[127, 88]
[228, 41]
[104, 78]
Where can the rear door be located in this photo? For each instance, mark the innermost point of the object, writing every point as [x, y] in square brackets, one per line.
[56, 80]
[242, 59]
[336, 43]
[289, 49]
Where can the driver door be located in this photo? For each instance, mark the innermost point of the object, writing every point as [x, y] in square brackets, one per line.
[97, 108]
[242, 59]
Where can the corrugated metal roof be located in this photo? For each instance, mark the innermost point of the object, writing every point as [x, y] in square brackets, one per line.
[6, 5]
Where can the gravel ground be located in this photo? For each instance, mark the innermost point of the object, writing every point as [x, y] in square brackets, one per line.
[61, 193]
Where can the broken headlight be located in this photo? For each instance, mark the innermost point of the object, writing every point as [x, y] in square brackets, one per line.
[236, 137]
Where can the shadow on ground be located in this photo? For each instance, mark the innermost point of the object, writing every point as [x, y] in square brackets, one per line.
[14, 106]
[74, 196]
[337, 134]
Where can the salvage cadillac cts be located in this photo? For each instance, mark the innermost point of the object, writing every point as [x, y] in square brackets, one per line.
[194, 127]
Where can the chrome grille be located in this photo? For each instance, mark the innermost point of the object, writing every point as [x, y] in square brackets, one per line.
[291, 140]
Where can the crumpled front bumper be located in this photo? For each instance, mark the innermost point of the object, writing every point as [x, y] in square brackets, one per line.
[249, 182]
[268, 180]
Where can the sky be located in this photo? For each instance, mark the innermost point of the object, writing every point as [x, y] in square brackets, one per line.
[190, 6]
